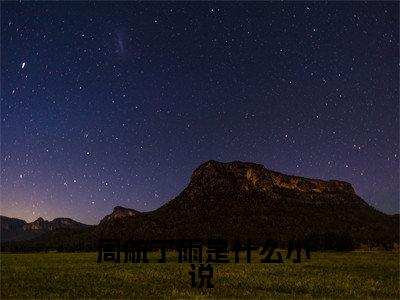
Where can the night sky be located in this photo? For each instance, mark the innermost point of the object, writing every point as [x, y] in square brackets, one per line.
[116, 103]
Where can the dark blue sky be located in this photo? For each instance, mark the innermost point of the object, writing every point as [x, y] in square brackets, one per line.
[116, 103]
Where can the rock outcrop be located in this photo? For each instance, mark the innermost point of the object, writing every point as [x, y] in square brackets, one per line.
[120, 212]
[246, 200]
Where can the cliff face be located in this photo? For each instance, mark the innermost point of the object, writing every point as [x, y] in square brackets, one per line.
[237, 200]
[38, 224]
[120, 212]
[246, 200]
[10, 227]
[214, 176]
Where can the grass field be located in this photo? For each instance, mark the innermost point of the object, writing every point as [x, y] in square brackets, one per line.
[77, 275]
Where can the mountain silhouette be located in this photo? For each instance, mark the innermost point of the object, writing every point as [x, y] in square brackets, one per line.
[240, 200]
[13, 229]
[246, 200]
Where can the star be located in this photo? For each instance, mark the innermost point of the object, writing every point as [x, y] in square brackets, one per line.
[291, 91]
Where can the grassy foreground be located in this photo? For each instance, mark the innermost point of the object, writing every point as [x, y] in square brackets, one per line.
[77, 275]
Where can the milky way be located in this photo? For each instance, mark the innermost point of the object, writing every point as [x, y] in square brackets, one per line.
[116, 103]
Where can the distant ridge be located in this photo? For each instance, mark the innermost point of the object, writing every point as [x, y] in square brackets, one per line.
[13, 229]
[246, 200]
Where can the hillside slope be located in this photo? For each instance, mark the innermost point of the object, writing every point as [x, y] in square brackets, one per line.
[245, 200]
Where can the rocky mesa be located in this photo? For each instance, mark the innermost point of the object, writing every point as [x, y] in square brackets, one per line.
[235, 200]
[246, 200]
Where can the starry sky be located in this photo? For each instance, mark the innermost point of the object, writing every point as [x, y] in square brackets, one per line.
[116, 103]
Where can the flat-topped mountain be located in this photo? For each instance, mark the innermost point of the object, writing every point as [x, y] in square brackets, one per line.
[245, 200]
[10, 227]
[214, 176]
